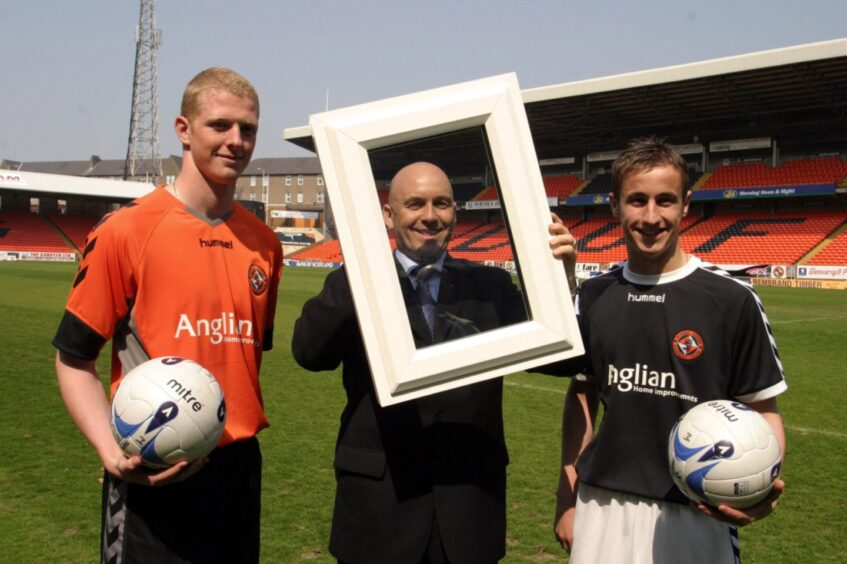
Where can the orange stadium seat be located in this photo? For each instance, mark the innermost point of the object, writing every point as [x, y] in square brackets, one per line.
[75, 227]
[561, 186]
[487, 193]
[22, 231]
[483, 242]
[601, 240]
[833, 254]
[327, 251]
[829, 170]
[728, 238]
[750, 237]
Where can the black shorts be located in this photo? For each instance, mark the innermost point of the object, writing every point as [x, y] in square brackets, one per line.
[211, 517]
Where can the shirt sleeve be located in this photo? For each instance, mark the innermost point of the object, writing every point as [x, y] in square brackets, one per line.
[101, 295]
[757, 372]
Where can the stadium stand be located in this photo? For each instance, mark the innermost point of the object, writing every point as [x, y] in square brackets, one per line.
[465, 191]
[488, 193]
[484, 242]
[756, 237]
[728, 238]
[75, 227]
[554, 186]
[831, 170]
[600, 184]
[833, 252]
[702, 178]
[466, 228]
[295, 238]
[600, 239]
[328, 251]
[22, 231]
[562, 186]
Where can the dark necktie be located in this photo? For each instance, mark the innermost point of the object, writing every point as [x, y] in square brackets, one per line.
[422, 275]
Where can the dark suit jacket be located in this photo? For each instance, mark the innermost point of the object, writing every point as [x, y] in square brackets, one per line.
[443, 455]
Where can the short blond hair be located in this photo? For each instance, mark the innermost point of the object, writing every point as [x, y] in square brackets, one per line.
[214, 79]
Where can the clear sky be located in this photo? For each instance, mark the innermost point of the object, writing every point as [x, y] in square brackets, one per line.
[66, 66]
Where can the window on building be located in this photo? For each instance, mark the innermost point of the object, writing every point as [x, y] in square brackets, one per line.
[252, 181]
[252, 196]
[288, 180]
[299, 197]
[319, 197]
[320, 180]
[299, 180]
[288, 197]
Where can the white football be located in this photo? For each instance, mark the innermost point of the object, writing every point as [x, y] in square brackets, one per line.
[724, 451]
[168, 409]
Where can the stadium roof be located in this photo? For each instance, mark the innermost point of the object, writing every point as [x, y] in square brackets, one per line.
[60, 185]
[797, 95]
[93, 167]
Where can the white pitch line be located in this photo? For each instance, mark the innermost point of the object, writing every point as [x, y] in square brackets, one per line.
[807, 320]
[531, 387]
[817, 431]
[790, 427]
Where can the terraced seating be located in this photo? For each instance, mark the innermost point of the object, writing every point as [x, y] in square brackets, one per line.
[75, 227]
[328, 251]
[829, 170]
[600, 184]
[554, 186]
[745, 237]
[21, 231]
[834, 254]
[561, 186]
[730, 238]
[600, 239]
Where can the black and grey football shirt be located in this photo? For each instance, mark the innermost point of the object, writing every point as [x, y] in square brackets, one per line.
[657, 346]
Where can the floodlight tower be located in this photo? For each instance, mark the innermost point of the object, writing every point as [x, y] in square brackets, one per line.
[144, 120]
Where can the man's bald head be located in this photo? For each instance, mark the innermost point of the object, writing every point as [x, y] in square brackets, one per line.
[421, 211]
[418, 173]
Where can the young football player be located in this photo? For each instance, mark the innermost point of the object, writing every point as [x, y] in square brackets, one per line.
[663, 332]
[183, 271]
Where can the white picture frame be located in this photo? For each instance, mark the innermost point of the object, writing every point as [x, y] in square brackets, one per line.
[401, 371]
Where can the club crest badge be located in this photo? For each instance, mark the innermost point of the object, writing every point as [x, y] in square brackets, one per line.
[258, 280]
[687, 344]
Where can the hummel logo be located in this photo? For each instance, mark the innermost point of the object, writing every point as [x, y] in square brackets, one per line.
[215, 243]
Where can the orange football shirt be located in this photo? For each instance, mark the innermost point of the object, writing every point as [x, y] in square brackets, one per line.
[160, 280]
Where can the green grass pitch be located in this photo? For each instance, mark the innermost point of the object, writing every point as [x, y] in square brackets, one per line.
[49, 489]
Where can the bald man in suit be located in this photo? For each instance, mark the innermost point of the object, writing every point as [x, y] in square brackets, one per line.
[423, 480]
